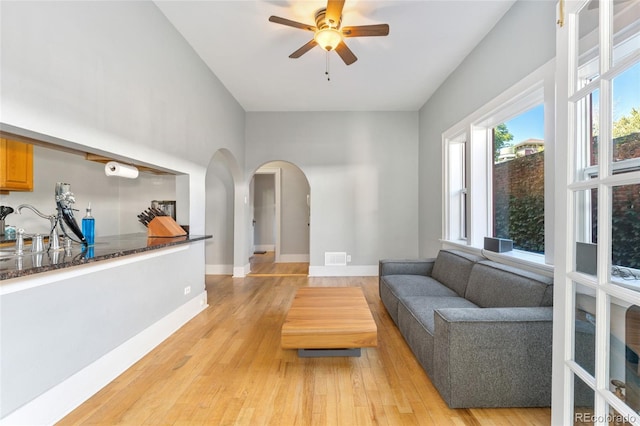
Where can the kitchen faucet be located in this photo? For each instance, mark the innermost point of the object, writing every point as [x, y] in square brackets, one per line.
[54, 242]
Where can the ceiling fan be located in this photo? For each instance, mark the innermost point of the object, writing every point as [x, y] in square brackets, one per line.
[328, 33]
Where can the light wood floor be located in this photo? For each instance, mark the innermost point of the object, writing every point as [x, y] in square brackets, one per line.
[226, 367]
[264, 264]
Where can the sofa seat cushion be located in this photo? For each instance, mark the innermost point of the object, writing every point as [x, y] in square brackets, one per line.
[453, 267]
[421, 309]
[393, 287]
[493, 285]
[416, 285]
[416, 323]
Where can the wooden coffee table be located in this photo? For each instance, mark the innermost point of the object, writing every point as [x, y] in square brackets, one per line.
[329, 321]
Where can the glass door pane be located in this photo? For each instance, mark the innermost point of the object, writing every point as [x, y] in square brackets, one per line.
[588, 44]
[626, 120]
[626, 38]
[625, 236]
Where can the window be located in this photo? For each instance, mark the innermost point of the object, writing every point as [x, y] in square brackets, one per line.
[518, 180]
[457, 192]
[496, 177]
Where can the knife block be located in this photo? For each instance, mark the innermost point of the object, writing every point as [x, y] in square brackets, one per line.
[164, 226]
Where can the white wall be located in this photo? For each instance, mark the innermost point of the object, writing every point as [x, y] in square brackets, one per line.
[362, 169]
[520, 43]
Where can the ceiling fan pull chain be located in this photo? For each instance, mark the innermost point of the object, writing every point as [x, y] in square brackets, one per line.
[326, 72]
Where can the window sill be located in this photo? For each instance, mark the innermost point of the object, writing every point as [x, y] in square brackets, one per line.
[518, 258]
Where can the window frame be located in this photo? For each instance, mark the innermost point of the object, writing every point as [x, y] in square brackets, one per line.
[533, 90]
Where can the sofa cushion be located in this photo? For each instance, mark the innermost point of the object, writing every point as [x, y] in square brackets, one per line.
[493, 285]
[392, 287]
[423, 308]
[452, 268]
[416, 285]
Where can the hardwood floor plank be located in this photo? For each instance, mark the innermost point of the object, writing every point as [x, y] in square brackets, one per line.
[226, 366]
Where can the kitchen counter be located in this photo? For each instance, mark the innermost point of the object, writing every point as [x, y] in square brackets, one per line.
[105, 248]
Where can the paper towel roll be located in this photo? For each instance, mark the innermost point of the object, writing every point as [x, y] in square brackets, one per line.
[113, 168]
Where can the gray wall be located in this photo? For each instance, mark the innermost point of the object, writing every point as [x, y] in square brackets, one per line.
[110, 78]
[52, 331]
[362, 169]
[219, 220]
[113, 75]
[295, 211]
[520, 43]
[264, 210]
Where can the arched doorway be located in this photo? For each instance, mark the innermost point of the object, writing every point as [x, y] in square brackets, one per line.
[280, 209]
[224, 198]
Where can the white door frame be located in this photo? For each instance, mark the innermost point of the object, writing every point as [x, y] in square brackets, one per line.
[569, 183]
[277, 177]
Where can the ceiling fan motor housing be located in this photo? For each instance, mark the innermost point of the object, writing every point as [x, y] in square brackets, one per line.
[322, 22]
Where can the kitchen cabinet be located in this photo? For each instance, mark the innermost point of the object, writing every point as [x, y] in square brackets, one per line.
[16, 166]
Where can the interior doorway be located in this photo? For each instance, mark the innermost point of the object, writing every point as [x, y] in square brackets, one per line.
[280, 225]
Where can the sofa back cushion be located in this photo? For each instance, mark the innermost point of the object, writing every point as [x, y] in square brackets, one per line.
[493, 285]
[452, 268]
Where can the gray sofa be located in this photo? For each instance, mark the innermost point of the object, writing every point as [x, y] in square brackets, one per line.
[481, 330]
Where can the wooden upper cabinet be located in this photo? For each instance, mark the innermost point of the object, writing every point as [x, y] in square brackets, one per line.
[16, 166]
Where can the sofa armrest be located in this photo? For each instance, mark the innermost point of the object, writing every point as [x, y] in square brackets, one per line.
[406, 266]
[493, 357]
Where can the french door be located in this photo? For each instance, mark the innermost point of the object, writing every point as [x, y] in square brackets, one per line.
[597, 259]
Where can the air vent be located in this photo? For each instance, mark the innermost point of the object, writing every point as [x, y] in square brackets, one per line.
[335, 258]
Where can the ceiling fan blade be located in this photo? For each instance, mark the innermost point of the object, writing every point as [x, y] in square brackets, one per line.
[346, 54]
[304, 49]
[366, 30]
[334, 12]
[290, 23]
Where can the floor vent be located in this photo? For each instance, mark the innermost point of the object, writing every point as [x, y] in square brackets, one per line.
[335, 258]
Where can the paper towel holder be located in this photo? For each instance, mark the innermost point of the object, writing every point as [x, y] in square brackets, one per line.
[129, 170]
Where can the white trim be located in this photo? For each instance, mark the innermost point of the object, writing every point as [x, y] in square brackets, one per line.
[529, 261]
[344, 271]
[36, 280]
[59, 401]
[535, 89]
[241, 271]
[293, 258]
[277, 178]
[218, 269]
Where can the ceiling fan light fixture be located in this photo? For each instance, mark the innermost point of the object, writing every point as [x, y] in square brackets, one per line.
[328, 38]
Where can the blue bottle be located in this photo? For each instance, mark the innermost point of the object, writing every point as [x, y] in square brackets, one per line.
[89, 226]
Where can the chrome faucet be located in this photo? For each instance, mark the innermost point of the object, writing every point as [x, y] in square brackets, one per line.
[54, 241]
[20, 242]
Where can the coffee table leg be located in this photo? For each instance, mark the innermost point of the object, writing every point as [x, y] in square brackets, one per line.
[313, 353]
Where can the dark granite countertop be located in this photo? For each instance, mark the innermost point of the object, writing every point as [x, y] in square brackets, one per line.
[105, 248]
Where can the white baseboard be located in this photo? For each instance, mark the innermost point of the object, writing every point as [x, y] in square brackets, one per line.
[218, 269]
[53, 405]
[264, 247]
[241, 271]
[293, 258]
[344, 271]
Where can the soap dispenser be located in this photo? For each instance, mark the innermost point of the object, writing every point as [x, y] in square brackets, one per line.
[89, 226]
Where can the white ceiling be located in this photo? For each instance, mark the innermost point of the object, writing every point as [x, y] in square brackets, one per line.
[427, 40]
